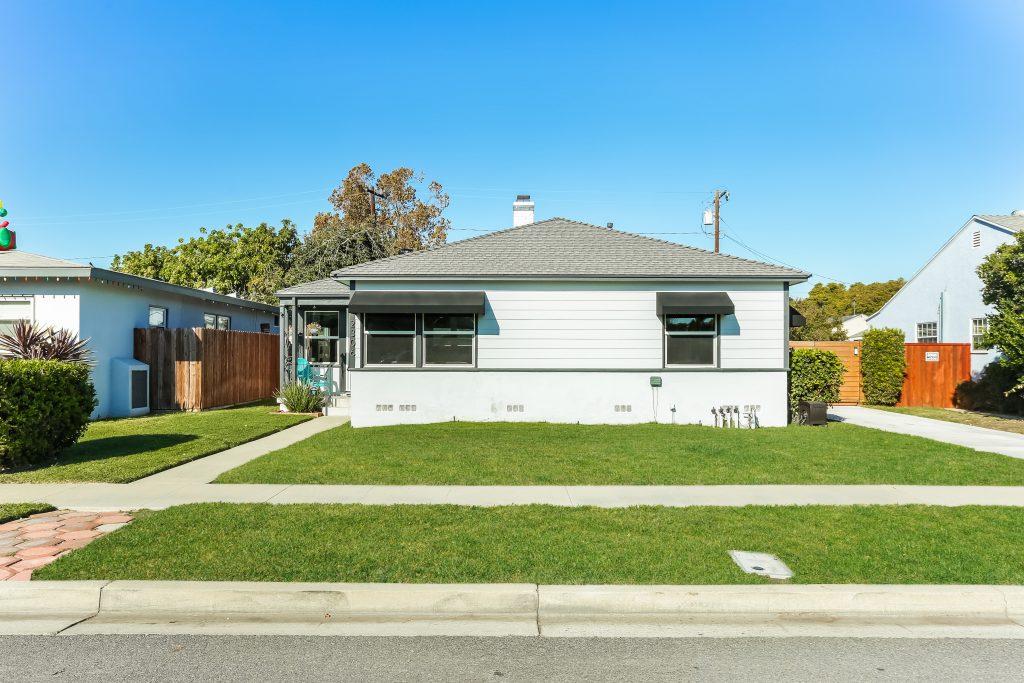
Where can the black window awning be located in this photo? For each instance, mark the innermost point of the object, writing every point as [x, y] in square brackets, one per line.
[795, 318]
[416, 302]
[681, 303]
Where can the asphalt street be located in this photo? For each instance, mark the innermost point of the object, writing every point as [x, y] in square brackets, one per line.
[283, 658]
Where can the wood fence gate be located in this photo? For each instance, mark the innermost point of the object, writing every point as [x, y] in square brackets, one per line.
[850, 394]
[198, 369]
[933, 371]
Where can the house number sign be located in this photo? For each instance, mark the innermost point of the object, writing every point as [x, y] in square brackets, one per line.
[931, 356]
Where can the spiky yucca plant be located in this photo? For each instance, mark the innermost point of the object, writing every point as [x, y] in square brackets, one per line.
[28, 341]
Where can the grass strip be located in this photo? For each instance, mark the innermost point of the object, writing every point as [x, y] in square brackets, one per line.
[556, 545]
[11, 511]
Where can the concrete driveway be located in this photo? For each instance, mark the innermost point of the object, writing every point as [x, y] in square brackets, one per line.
[978, 438]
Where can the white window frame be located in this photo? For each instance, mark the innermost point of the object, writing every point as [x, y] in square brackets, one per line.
[30, 300]
[206, 322]
[224, 317]
[973, 333]
[415, 342]
[448, 333]
[150, 317]
[714, 340]
[917, 332]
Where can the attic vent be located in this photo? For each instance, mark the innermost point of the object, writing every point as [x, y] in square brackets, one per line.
[976, 240]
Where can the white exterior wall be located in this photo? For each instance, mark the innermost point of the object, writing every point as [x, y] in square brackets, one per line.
[605, 328]
[107, 314]
[947, 290]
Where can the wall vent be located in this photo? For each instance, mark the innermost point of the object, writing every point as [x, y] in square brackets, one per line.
[515, 408]
[385, 407]
[407, 408]
[977, 239]
[623, 407]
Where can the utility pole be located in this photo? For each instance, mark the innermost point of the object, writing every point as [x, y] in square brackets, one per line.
[719, 196]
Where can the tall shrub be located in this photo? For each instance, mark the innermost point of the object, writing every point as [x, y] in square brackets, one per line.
[883, 363]
[44, 408]
[815, 375]
[992, 392]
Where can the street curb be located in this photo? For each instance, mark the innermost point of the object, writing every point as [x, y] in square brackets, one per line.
[500, 609]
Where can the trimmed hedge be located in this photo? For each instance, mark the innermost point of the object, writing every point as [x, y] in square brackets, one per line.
[883, 363]
[815, 375]
[44, 408]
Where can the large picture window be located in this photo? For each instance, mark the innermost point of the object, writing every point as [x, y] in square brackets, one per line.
[390, 338]
[691, 339]
[448, 339]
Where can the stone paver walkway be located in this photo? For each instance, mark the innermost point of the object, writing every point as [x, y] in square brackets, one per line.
[978, 438]
[33, 542]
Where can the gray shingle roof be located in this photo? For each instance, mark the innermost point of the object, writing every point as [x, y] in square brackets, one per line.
[23, 259]
[558, 248]
[1008, 222]
[326, 287]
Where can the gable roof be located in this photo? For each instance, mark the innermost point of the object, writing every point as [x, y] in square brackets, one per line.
[559, 248]
[328, 287]
[1015, 223]
[16, 263]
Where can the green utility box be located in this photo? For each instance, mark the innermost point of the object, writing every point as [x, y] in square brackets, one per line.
[655, 381]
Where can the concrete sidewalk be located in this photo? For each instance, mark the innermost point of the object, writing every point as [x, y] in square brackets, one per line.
[95, 497]
[978, 438]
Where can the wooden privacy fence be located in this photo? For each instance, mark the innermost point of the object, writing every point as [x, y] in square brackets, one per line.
[933, 371]
[198, 369]
[849, 352]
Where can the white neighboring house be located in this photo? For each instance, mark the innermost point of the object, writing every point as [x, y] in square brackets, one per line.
[562, 321]
[855, 326]
[942, 302]
[105, 307]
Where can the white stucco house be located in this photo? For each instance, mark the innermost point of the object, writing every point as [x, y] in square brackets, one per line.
[105, 307]
[942, 302]
[556, 321]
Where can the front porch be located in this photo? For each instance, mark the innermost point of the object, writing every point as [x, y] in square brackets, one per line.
[315, 339]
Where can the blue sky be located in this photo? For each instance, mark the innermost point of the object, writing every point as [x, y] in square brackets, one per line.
[854, 137]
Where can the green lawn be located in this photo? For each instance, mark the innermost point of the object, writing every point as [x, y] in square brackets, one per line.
[545, 544]
[11, 511]
[966, 417]
[131, 448]
[520, 454]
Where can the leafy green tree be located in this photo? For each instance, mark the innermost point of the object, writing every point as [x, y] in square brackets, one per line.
[1002, 277]
[827, 304]
[250, 262]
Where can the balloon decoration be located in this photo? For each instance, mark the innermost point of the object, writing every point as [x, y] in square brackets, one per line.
[8, 240]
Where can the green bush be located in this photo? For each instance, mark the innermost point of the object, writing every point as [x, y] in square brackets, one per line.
[988, 393]
[815, 375]
[44, 408]
[883, 363]
[300, 398]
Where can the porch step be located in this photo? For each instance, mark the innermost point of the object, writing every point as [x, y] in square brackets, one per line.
[338, 406]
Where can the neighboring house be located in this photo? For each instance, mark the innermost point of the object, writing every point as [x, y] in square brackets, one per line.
[105, 306]
[554, 321]
[855, 326]
[942, 302]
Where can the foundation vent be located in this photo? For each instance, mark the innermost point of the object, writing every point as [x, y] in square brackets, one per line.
[385, 407]
[407, 408]
[515, 408]
[623, 407]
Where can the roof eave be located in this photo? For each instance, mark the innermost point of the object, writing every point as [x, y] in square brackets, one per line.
[794, 278]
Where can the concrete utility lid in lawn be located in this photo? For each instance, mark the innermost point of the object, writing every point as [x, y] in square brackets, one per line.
[761, 564]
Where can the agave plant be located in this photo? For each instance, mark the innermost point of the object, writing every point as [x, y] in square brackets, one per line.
[28, 341]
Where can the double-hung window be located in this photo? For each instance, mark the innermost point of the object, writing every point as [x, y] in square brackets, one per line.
[979, 328]
[448, 339]
[928, 333]
[390, 338]
[691, 339]
[11, 311]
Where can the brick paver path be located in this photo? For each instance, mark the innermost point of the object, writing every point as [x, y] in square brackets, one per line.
[29, 543]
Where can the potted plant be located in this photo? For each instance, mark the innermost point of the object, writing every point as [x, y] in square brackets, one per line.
[314, 329]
